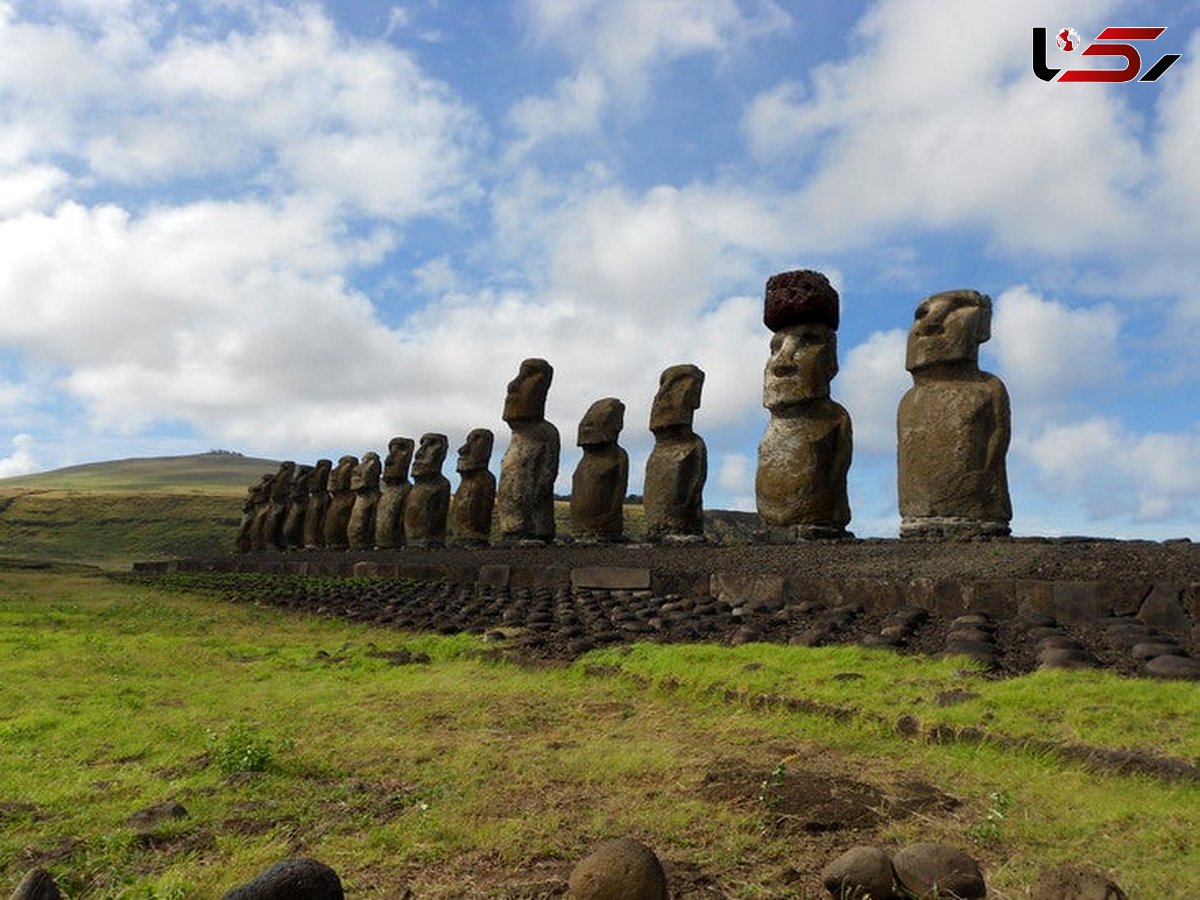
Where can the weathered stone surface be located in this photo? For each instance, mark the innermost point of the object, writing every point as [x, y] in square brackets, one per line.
[1068, 882]
[749, 591]
[292, 879]
[257, 498]
[938, 871]
[389, 514]
[1179, 668]
[623, 869]
[341, 504]
[360, 531]
[861, 873]
[494, 575]
[37, 885]
[800, 297]
[677, 468]
[611, 578]
[599, 483]
[1078, 601]
[953, 425]
[525, 494]
[318, 505]
[1163, 609]
[268, 525]
[805, 452]
[428, 503]
[472, 504]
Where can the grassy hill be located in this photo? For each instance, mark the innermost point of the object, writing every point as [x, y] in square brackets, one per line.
[111, 513]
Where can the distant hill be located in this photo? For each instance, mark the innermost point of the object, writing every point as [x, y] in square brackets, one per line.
[205, 472]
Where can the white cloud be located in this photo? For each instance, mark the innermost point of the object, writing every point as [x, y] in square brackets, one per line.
[22, 461]
[870, 384]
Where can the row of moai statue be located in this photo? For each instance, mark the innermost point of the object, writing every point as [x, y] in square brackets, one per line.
[953, 424]
[347, 506]
[953, 428]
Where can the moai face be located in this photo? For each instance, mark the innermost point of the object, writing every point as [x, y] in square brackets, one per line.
[366, 473]
[602, 423]
[300, 482]
[395, 467]
[949, 327]
[678, 397]
[476, 452]
[802, 363]
[339, 478]
[281, 484]
[430, 455]
[318, 481]
[525, 400]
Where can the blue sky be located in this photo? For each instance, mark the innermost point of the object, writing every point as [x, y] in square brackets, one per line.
[296, 230]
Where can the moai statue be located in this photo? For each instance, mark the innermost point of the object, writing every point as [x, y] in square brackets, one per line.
[389, 515]
[599, 483]
[271, 523]
[428, 502]
[297, 509]
[341, 504]
[257, 498]
[473, 502]
[525, 496]
[318, 505]
[360, 532]
[678, 465]
[953, 425]
[805, 451]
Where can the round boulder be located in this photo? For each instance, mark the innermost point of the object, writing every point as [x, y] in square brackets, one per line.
[861, 873]
[623, 869]
[37, 885]
[1182, 668]
[938, 870]
[292, 879]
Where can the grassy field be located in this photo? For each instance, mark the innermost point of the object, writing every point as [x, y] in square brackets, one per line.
[461, 774]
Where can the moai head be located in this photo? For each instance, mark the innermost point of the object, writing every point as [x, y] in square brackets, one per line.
[525, 400]
[339, 478]
[476, 451]
[395, 467]
[802, 308]
[602, 423]
[365, 476]
[948, 328]
[281, 484]
[430, 455]
[318, 481]
[300, 483]
[678, 397]
[261, 492]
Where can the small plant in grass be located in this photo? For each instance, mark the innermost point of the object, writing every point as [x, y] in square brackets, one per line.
[768, 792]
[988, 830]
[242, 748]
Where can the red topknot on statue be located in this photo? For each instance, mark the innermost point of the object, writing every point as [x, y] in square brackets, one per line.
[801, 297]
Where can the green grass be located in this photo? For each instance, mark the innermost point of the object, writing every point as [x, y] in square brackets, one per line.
[286, 735]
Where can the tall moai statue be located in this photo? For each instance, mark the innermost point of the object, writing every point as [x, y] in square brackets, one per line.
[473, 502]
[271, 525]
[673, 495]
[428, 502]
[341, 504]
[805, 451]
[257, 498]
[389, 515]
[602, 476]
[360, 531]
[525, 496]
[318, 505]
[297, 509]
[953, 425]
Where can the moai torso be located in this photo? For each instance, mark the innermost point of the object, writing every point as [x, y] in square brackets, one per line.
[256, 497]
[389, 515]
[677, 468]
[318, 505]
[600, 480]
[525, 494]
[272, 525]
[805, 452]
[473, 503]
[341, 504]
[360, 531]
[293, 522]
[953, 425]
[428, 503]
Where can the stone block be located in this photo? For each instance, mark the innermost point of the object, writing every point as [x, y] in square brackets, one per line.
[1164, 609]
[748, 591]
[936, 595]
[611, 578]
[875, 594]
[420, 572]
[552, 577]
[493, 575]
[996, 598]
[365, 569]
[1035, 597]
[813, 590]
[1079, 601]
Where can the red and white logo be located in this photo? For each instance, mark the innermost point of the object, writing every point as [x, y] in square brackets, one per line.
[1112, 41]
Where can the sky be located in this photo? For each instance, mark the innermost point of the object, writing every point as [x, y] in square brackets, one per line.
[294, 230]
